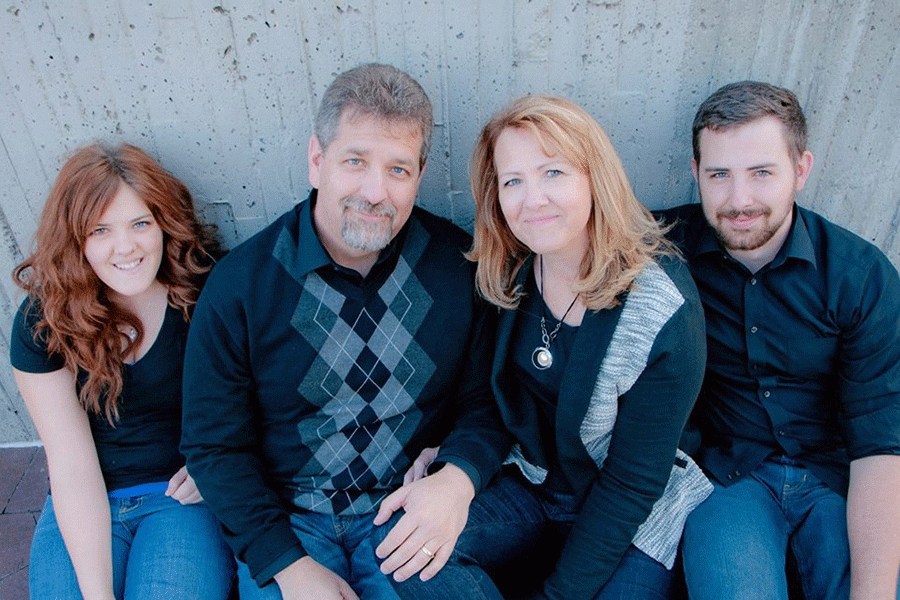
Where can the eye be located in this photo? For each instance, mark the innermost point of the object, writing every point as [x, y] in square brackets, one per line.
[142, 224]
[511, 182]
[399, 171]
[354, 162]
[718, 175]
[763, 173]
[98, 231]
[553, 173]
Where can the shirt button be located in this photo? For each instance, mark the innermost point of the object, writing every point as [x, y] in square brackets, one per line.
[767, 393]
[753, 329]
[781, 432]
[753, 281]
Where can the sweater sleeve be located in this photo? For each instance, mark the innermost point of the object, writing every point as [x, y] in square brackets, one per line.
[219, 438]
[478, 442]
[651, 416]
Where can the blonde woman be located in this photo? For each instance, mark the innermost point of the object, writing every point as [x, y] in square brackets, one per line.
[600, 351]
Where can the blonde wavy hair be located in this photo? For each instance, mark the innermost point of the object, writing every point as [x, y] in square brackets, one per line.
[623, 235]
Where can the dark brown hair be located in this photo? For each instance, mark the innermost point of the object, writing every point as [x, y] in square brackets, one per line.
[77, 318]
[739, 103]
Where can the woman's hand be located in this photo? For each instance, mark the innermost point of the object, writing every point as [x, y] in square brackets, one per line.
[182, 488]
[420, 467]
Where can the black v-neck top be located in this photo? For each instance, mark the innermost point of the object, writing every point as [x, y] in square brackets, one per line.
[541, 386]
[142, 447]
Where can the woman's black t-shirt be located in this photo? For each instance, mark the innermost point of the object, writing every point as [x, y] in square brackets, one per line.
[142, 447]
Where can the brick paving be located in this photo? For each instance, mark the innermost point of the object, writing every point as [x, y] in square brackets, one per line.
[23, 489]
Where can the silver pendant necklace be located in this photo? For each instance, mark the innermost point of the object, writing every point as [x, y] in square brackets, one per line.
[542, 358]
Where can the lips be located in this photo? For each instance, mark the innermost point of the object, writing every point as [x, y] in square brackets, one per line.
[129, 266]
[743, 220]
[542, 220]
[369, 216]
[367, 209]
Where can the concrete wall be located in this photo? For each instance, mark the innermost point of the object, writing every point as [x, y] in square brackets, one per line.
[223, 94]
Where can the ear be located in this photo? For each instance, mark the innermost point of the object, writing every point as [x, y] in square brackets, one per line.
[694, 168]
[314, 161]
[804, 166]
[422, 172]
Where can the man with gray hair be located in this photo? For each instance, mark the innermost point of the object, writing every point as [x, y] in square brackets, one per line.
[328, 350]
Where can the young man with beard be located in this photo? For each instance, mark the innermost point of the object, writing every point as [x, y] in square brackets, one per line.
[327, 350]
[799, 415]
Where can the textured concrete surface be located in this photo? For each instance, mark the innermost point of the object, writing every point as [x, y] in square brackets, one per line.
[223, 93]
[23, 490]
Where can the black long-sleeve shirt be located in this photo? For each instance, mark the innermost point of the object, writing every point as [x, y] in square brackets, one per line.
[804, 354]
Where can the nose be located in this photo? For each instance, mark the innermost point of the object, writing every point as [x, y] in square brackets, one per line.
[534, 195]
[124, 242]
[373, 187]
[741, 195]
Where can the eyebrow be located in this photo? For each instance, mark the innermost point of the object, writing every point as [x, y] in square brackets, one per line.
[753, 168]
[140, 218]
[363, 153]
[404, 162]
[541, 167]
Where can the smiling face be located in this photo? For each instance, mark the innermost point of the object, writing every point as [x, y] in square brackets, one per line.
[125, 247]
[545, 200]
[367, 179]
[748, 180]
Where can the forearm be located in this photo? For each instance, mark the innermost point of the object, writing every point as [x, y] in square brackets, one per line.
[221, 444]
[873, 527]
[595, 545]
[221, 453]
[638, 463]
[477, 451]
[478, 442]
[82, 514]
[76, 481]
[255, 522]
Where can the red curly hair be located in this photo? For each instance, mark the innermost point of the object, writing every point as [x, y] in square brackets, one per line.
[77, 318]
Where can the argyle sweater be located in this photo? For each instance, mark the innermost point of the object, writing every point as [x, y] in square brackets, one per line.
[311, 388]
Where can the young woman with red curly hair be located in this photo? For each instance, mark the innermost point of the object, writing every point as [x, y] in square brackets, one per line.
[97, 351]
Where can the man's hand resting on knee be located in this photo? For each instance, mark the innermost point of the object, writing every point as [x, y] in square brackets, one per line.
[436, 508]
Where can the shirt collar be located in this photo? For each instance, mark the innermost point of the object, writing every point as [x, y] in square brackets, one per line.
[313, 255]
[798, 244]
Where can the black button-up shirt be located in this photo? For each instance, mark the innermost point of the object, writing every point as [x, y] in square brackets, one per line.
[804, 354]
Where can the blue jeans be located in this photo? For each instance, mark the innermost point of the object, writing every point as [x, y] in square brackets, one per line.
[736, 542]
[161, 550]
[343, 544]
[515, 533]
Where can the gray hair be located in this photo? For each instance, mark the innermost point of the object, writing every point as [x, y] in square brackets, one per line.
[382, 91]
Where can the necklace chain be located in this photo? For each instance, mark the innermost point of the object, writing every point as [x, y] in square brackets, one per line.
[542, 358]
[546, 338]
